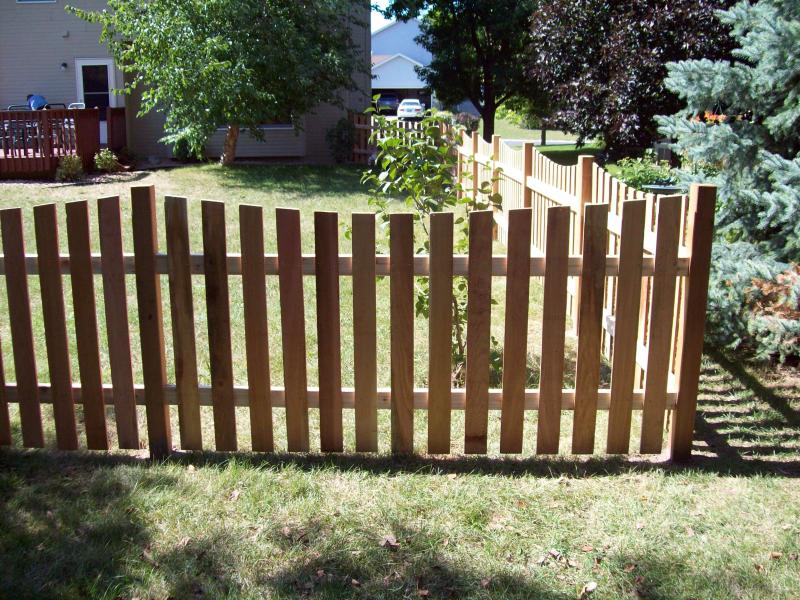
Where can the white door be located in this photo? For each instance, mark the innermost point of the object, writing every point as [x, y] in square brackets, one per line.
[95, 81]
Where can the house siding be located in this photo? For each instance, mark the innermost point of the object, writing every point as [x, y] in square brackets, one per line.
[399, 38]
[35, 38]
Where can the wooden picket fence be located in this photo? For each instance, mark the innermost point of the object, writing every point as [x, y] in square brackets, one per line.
[647, 318]
[631, 270]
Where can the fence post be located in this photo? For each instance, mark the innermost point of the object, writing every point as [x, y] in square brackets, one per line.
[496, 139]
[702, 201]
[583, 192]
[474, 166]
[527, 171]
[87, 135]
[151, 323]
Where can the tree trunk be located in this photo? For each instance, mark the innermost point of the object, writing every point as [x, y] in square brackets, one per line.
[229, 147]
[544, 136]
[488, 122]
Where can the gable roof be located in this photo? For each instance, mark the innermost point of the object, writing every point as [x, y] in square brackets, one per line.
[390, 25]
[378, 60]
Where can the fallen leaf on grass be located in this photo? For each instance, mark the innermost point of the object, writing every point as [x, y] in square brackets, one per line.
[689, 531]
[759, 568]
[390, 542]
[183, 543]
[234, 495]
[793, 556]
[355, 583]
[423, 593]
[587, 548]
[485, 583]
[148, 557]
[452, 476]
[629, 568]
[587, 590]
[775, 555]
[640, 525]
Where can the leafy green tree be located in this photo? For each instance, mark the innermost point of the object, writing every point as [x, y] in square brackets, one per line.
[478, 50]
[741, 130]
[417, 167]
[231, 63]
[604, 63]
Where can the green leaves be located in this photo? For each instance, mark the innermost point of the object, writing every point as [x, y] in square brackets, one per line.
[418, 168]
[210, 63]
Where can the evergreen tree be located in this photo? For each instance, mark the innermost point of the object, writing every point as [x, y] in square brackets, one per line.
[741, 130]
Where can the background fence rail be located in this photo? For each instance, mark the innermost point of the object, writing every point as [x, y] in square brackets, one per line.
[638, 280]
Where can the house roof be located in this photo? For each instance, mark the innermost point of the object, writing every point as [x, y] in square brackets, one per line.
[378, 60]
[390, 25]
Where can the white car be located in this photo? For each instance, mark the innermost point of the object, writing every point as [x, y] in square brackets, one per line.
[410, 109]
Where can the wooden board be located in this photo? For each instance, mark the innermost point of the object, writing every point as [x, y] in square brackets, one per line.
[440, 334]
[629, 288]
[701, 214]
[183, 330]
[85, 311]
[293, 328]
[326, 245]
[364, 333]
[19, 315]
[256, 331]
[515, 341]
[55, 325]
[590, 327]
[117, 329]
[151, 324]
[554, 317]
[401, 234]
[219, 324]
[479, 316]
[5, 420]
[660, 324]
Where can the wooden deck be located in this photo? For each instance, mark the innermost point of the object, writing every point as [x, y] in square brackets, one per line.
[33, 142]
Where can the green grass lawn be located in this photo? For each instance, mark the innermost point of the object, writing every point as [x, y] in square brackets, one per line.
[86, 525]
[92, 525]
[510, 131]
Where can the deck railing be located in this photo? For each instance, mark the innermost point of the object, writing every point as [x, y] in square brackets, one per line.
[32, 142]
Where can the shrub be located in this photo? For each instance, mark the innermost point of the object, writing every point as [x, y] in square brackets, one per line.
[106, 161]
[183, 150]
[417, 168]
[646, 170]
[468, 121]
[70, 168]
[341, 138]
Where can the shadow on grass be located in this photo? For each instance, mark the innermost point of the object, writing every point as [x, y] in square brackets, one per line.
[81, 525]
[415, 566]
[66, 518]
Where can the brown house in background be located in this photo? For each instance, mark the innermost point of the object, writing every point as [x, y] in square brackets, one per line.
[46, 51]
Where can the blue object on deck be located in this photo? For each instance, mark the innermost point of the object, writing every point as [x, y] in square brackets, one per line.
[36, 102]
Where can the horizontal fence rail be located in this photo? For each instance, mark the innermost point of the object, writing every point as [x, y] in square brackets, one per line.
[672, 352]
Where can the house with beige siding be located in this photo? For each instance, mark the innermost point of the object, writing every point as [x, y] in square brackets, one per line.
[47, 51]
